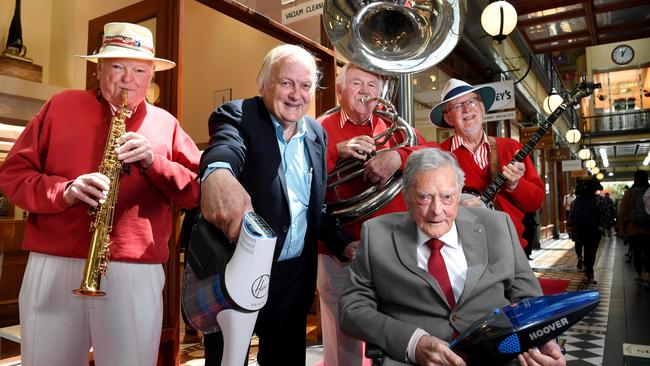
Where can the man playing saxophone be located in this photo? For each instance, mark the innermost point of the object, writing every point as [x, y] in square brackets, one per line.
[53, 172]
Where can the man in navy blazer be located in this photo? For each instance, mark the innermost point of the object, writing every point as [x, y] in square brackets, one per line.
[266, 155]
[395, 296]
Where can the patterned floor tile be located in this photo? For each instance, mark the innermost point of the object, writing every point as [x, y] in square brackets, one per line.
[585, 341]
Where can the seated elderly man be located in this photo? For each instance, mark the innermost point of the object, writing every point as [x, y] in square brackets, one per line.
[423, 276]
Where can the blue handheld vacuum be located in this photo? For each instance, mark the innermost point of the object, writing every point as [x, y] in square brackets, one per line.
[501, 335]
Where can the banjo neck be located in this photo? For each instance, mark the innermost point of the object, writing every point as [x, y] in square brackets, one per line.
[581, 90]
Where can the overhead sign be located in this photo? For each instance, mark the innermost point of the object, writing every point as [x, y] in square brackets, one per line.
[302, 11]
[504, 102]
[571, 165]
[505, 95]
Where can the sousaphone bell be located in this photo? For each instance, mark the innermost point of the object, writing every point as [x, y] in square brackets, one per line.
[391, 38]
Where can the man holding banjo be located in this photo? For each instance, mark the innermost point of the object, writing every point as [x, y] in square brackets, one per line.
[462, 108]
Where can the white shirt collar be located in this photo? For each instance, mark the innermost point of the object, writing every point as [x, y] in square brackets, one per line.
[450, 238]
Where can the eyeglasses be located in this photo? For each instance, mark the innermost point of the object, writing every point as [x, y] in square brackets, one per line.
[469, 103]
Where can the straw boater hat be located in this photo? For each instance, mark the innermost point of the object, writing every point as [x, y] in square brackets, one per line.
[126, 40]
[453, 89]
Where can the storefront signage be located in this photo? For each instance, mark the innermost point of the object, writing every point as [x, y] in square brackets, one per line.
[505, 95]
[499, 116]
[504, 102]
[302, 11]
[563, 153]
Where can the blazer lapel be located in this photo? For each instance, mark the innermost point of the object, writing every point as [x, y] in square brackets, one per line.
[472, 235]
[315, 150]
[283, 181]
[405, 242]
[255, 109]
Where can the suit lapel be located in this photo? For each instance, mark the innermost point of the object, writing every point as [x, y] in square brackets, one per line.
[315, 150]
[472, 236]
[283, 181]
[272, 141]
[406, 245]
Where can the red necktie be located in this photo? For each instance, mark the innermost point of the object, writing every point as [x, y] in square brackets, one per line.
[438, 270]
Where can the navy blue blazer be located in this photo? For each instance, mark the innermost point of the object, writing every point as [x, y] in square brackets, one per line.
[242, 134]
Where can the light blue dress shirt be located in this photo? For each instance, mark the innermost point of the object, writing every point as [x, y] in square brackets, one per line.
[298, 175]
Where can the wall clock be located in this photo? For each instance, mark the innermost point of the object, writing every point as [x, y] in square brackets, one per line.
[622, 54]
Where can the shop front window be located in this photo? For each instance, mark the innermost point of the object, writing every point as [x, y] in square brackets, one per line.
[623, 101]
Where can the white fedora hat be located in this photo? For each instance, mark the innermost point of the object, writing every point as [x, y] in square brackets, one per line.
[126, 40]
[455, 88]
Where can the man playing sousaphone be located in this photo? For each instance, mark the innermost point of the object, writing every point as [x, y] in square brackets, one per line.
[52, 172]
[462, 108]
[350, 132]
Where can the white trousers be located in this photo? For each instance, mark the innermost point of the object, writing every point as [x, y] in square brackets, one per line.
[58, 328]
[339, 349]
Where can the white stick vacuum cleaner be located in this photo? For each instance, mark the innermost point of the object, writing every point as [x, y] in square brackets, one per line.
[230, 299]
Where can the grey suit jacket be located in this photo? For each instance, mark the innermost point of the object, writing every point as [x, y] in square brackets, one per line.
[387, 296]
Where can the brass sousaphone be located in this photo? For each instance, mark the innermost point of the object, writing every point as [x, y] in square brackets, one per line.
[391, 38]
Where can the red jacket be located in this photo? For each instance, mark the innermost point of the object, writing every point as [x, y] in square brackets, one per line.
[336, 134]
[528, 195]
[66, 139]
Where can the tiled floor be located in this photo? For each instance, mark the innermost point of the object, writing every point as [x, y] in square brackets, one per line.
[585, 341]
[622, 315]
[556, 259]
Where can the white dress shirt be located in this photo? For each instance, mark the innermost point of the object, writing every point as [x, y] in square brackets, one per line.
[452, 253]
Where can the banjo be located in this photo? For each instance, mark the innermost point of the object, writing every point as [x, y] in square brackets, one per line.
[581, 90]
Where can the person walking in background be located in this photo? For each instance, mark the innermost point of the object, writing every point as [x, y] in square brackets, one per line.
[586, 219]
[531, 232]
[619, 200]
[577, 244]
[634, 225]
[568, 200]
[609, 210]
[566, 203]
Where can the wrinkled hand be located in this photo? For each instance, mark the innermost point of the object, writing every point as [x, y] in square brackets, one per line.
[350, 250]
[89, 188]
[513, 172]
[380, 168]
[224, 202]
[357, 147]
[135, 148]
[549, 354]
[432, 351]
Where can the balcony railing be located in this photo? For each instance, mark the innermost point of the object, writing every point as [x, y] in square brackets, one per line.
[633, 120]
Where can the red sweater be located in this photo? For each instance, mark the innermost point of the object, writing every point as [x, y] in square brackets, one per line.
[336, 134]
[528, 195]
[66, 139]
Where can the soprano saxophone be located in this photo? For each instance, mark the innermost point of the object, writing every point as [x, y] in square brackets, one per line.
[102, 225]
